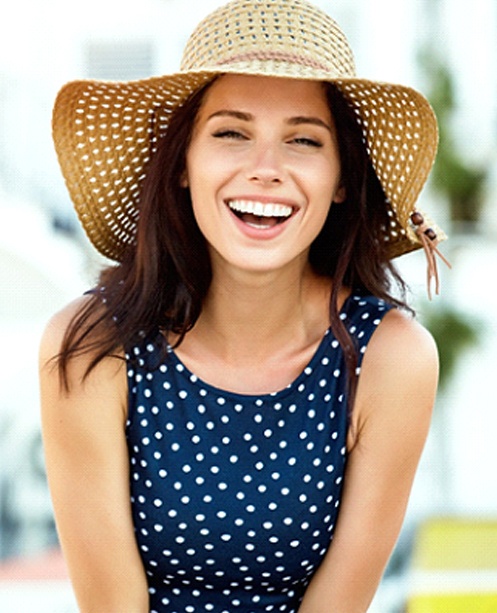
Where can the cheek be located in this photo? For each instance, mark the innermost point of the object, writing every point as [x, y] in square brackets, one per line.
[196, 180]
[327, 188]
[201, 169]
[327, 193]
[188, 174]
[201, 198]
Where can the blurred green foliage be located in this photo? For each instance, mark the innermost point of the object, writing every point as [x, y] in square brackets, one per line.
[454, 332]
[462, 184]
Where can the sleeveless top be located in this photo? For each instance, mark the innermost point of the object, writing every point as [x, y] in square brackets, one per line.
[235, 497]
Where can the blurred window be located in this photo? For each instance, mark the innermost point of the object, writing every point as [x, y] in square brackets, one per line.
[118, 60]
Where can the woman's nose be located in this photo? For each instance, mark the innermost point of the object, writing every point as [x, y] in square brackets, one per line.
[265, 164]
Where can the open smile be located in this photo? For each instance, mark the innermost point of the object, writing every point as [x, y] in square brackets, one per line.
[260, 215]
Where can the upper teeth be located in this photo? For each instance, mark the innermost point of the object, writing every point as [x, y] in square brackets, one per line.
[260, 209]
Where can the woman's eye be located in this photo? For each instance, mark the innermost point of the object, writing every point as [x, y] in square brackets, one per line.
[229, 134]
[307, 142]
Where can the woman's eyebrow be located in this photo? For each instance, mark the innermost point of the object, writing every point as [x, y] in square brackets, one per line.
[315, 121]
[292, 121]
[236, 114]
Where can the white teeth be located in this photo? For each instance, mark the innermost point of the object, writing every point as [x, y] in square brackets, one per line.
[260, 209]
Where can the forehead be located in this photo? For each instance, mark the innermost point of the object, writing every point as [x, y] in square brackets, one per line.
[255, 94]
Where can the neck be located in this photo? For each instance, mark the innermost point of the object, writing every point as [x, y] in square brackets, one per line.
[257, 332]
[248, 314]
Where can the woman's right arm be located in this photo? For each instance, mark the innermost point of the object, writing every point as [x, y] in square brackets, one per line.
[88, 474]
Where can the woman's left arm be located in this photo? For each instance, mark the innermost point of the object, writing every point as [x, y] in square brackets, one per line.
[391, 418]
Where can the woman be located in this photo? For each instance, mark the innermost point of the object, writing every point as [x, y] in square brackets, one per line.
[203, 417]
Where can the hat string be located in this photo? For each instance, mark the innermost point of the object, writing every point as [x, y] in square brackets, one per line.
[429, 240]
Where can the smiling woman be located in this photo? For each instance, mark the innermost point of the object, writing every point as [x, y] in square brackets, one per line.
[222, 409]
[262, 144]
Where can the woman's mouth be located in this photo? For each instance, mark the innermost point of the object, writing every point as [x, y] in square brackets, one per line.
[260, 215]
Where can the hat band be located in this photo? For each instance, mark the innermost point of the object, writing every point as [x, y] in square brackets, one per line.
[276, 56]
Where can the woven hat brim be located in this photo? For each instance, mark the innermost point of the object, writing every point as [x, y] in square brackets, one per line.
[105, 133]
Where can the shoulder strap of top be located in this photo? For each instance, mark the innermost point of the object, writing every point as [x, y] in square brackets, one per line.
[362, 314]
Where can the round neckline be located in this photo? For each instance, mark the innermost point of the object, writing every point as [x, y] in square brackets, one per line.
[184, 371]
[193, 378]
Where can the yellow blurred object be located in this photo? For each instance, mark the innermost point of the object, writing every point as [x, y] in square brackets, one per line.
[455, 603]
[454, 567]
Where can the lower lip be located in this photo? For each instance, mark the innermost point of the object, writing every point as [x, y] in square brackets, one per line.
[259, 233]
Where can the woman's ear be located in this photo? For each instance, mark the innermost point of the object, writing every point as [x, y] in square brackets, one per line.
[183, 180]
[340, 195]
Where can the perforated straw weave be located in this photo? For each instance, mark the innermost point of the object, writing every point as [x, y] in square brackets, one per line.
[105, 132]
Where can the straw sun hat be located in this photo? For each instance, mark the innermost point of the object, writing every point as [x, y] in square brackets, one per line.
[105, 132]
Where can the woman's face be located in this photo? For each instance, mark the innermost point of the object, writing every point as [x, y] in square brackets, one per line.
[263, 169]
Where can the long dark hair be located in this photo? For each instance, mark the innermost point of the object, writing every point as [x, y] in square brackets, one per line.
[163, 278]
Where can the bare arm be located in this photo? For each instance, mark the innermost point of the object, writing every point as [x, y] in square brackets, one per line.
[87, 466]
[393, 409]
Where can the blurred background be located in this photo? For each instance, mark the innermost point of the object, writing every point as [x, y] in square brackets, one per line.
[446, 558]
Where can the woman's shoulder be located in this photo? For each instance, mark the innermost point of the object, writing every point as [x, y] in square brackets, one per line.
[399, 373]
[403, 339]
[82, 312]
[74, 325]
[59, 323]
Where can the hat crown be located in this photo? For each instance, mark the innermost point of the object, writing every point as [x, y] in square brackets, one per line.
[106, 132]
[288, 37]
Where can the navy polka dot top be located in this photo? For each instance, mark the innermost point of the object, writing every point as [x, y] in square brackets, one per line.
[235, 497]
